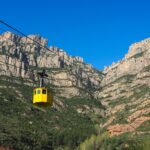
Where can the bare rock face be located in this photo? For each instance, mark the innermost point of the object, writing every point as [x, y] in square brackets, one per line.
[122, 88]
[125, 90]
[137, 58]
[122, 128]
[25, 56]
[133, 70]
[138, 48]
[3, 148]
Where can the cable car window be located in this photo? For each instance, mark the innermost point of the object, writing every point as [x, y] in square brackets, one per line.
[38, 91]
[44, 92]
[35, 92]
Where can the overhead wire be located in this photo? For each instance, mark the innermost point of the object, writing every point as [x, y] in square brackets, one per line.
[22, 68]
[29, 69]
[13, 41]
[30, 82]
[18, 31]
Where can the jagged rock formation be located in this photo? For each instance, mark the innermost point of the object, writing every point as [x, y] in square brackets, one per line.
[122, 128]
[126, 90]
[27, 57]
[117, 98]
[25, 126]
[137, 59]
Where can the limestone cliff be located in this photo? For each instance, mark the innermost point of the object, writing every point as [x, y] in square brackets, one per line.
[126, 90]
[115, 99]
[28, 55]
[70, 76]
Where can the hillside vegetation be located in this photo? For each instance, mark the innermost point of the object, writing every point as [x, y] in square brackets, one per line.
[25, 126]
[92, 109]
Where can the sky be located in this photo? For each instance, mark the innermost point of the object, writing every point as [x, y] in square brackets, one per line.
[100, 31]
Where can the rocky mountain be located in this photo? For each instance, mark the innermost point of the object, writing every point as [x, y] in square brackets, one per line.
[92, 109]
[75, 110]
[30, 54]
[125, 94]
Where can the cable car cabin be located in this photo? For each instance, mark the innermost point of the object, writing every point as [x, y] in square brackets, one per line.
[41, 97]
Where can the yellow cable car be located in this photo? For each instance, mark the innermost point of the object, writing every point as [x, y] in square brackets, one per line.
[42, 97]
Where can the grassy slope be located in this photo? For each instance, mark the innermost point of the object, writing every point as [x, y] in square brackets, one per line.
[140, 138]
[137, 140]
[24, 126]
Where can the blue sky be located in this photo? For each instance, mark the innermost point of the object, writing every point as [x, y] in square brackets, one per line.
[100, 31]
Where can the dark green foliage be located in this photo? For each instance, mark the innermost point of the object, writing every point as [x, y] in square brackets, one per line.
[141, 91]
[24, 126]
[147, 68]
[77, 101]
[117, 101]
[3, 50]
[127, 142]
[125, 79]
[144, 127]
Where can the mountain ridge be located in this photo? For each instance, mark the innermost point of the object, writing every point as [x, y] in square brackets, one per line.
[25, 53]
[113, 101]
